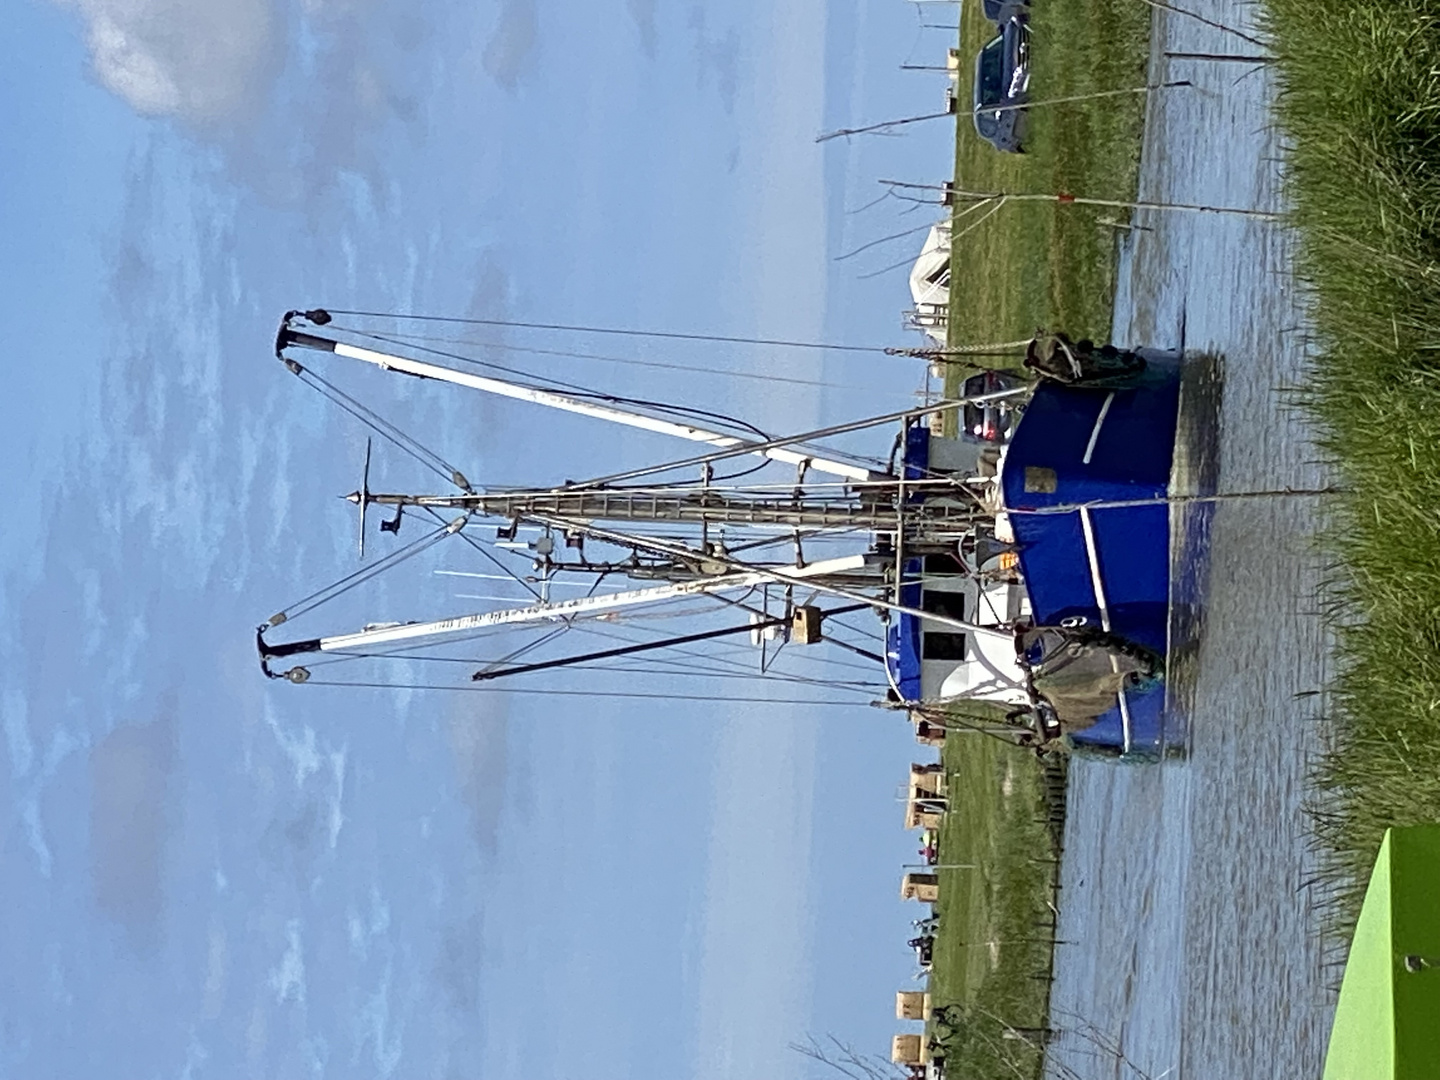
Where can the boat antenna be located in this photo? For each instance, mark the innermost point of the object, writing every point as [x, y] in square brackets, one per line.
[362, 497]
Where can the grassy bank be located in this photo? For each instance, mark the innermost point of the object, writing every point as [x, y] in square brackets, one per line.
[993, 950]
[1041, 264]
[1361, 106]
[1029, 265]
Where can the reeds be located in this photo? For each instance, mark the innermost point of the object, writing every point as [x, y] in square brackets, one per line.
[1360, 105]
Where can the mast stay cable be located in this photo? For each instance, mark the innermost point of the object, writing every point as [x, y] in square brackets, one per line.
[631, 361]
[481, 549]
[655, 695]
[382, 427]
[684, 412]
[362, 575]
[725, 666]
[666, 335]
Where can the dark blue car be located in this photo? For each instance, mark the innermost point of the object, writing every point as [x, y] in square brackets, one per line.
[1002, 84]
[997, 11]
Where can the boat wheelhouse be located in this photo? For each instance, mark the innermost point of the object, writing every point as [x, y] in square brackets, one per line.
[975, 581]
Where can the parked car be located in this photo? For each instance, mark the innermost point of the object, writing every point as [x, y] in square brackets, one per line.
[991, 421]
[1002, 84]
[997, 11]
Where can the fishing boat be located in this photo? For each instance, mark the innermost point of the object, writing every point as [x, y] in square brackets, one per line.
[1026, 572]
[1084, 520]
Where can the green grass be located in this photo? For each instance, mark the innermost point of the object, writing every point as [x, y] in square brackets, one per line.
[1043, 264]
[1360, 104]
[993, 949]
[1027, 266]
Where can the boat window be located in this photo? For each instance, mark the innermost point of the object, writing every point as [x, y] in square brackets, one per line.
[949, 604]
[943, 564]
[942, 645]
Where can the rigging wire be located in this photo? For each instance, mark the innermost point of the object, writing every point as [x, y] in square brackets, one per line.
[902, 415]
[876, 632]
[481, 688]
[766, 676]
[713, 657]
[358, 577]
[667, 335]
[734, 650]
[494, 559]
[804, 656]
[727, 661]
[684, 412]
[571, 354]
[531, 646]
[382, 427]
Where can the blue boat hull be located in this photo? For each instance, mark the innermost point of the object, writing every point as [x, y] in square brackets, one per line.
[1101, 565]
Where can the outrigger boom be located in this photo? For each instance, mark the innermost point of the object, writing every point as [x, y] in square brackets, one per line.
[557, 611]
[288, 337]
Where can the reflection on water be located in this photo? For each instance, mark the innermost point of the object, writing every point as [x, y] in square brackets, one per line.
[1196, 949]
[1194, 472]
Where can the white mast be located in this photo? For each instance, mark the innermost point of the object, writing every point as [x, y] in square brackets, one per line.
[803, 457]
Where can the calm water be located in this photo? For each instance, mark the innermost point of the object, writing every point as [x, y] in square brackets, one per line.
[1196, 949]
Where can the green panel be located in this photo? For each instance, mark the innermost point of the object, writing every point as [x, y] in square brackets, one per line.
[1362, 1043]
[1415, 931]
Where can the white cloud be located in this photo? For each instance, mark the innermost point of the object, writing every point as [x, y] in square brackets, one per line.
[301, 751]
[337, 802]
[35, 834]
[198, 59]
[385, 1036]
[288, 977]
[364, 931]
[17, 733]
[507, 53]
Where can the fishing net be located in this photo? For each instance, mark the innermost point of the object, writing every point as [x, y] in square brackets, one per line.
[1080, 671]
[1082, 363]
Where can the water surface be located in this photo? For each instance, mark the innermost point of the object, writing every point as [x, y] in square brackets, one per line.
[1194, 944]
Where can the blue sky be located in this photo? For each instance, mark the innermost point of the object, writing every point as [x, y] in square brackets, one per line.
[212, 876]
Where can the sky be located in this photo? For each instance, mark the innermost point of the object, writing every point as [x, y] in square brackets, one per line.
[212, 876]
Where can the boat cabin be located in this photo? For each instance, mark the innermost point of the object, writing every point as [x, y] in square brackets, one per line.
[932, 661]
